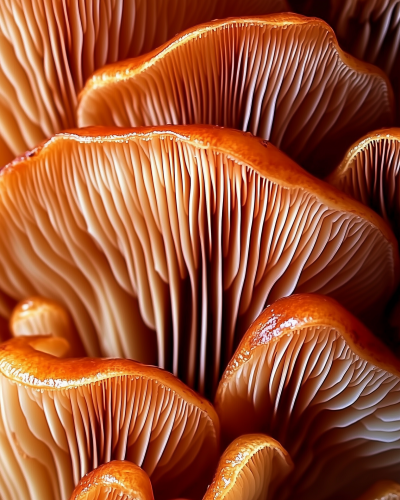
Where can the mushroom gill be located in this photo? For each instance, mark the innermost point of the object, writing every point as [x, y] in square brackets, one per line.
[282, 77]
[49, 48]
[313, 377]
[383, 490]
[116, 480]
[370, 173]
[251, 468]
[61, 418]
[164, 244]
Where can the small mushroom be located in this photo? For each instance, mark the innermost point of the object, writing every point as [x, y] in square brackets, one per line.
[370, 173]
[48, 48]
[251, 468]
[383, 490]
[282, 77]
[116, 480]
[316, 379]
[61, 418]
[165, 243]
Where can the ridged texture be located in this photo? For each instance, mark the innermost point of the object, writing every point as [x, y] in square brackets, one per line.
[62, 418]
[370, 173]
[384, 490]
[281, 77]
[49, 48]
[325, 389]
[165, 246]
[116, 480]
[251, 468]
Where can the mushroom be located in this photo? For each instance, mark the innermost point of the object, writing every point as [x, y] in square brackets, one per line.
[164, 244]
[251, 468]
[282, 77]
[383, 490]
[370, 173]
[49, 48]
[312, 376]
[38, 316]
[118, 479]
[61, 418]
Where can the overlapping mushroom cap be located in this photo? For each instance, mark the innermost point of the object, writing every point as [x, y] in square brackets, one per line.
[252, 467]
[281, 77]
[116, 480]
[165, 243]
[48, 49]
[313, 377]
[370, 173]
[61, 418]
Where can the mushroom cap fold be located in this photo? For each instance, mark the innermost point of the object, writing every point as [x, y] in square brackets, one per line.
[164, 244]
[383, 490]
[118, 479]
[61, 418]
[316, 379]
[282, 77]
[49, 48]
[251, 468]
[370, 173]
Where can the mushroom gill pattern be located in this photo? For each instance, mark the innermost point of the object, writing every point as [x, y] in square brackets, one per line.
[282, 77]
[61, 418]
[115, 480]
[49, 48]
[314, 378]
[370, 173]
[166, 243]
[251, 468]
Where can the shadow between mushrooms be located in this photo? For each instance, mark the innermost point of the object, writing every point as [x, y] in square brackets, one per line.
[164, 244]
[48, 48]
[282, 77]
[61, 418]
[312, 376]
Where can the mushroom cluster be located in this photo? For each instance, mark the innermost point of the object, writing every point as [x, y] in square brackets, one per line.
[171, 217]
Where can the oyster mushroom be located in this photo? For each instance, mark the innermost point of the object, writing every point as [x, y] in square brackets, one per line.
[166, 243]
[370, 173]
[252, 467]
[61, 418]
[316, 379]
[49, 48]
[118, 479]
[383, 490]
[282, 77]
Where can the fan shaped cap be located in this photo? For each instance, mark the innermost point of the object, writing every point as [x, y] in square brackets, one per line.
[166, 243]
[61, 418]
[39, 316]
[118, 479]
[383, 490]
[312, 376]
[252, 467]
[370, 173]
[49, 48]
[282, 77]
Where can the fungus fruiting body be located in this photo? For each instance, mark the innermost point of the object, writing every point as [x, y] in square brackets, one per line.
[314, 378]
[282, 77]
[166, 243]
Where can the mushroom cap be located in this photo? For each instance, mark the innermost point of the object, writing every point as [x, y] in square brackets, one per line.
[370, 173]
[282, 77]
[39, 316]
[49, 48]
[383, 490]
[252, 467]
[185, 232]
[61, 418]
[316, 379]
[117, 479]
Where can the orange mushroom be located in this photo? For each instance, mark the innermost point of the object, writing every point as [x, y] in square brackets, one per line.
[164, 244]
[312, 376]
[61, 418]
[282, 77]
[383, 490]
[49, 48]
